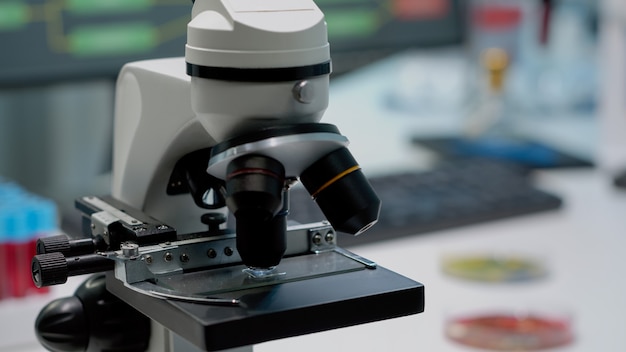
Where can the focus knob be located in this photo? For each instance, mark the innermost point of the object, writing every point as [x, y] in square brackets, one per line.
[59, 243]
[63, 326]
[69, 247]
[92, 320]
[213, 220]
[49, 269]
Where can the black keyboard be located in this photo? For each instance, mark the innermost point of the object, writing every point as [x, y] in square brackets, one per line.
[456, 193]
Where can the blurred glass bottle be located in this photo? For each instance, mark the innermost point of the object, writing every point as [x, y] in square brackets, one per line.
[611, 149]
[488, 116]
[562, 72]
[551, 46]
[500, 28]
[494, 24]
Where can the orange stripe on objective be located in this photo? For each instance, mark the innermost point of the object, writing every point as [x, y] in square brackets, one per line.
[334, 179]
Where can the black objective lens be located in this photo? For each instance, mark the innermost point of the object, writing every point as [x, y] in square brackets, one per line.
[254, 188]
[342, 192]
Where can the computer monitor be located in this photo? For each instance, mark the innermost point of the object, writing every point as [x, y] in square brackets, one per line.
[52, 40]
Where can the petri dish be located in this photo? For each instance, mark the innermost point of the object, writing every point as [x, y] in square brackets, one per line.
[510, 330]
[494, 267]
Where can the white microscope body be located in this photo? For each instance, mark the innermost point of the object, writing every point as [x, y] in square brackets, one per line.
[162, 113]
[234, 124]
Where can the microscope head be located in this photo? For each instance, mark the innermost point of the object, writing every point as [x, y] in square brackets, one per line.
[257, 64]
[259, 86]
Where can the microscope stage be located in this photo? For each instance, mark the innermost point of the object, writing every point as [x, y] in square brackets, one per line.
[312, 293]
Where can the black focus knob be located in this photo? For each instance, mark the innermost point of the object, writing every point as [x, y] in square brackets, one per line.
[62, 326]
[63, 244]
[59, 243]
[49, 269]
[93, 320]
[213, 220]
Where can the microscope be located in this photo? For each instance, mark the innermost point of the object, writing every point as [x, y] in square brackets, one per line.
[204, 144]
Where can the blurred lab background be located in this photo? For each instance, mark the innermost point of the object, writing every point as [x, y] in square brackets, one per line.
[60, 60]
[526, 83]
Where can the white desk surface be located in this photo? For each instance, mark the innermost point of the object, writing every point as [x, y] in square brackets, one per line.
[582, 244]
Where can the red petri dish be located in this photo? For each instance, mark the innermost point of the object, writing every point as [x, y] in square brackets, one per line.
[510, 332]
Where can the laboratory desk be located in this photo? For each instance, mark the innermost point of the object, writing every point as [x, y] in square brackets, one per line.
[582, 244]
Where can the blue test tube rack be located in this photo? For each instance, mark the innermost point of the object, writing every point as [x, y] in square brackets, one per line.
[24, 217]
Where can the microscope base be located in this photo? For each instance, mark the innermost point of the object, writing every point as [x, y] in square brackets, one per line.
[163, 340]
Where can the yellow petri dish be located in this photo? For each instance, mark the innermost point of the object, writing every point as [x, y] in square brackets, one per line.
[494, 268]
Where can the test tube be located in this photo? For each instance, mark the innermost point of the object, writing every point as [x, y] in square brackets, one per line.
[17, 247]
[4, 287]
[23, 219]
[8, 197]
[38, 216]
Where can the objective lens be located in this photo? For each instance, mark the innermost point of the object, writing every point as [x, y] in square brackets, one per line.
[254, 184]
[254, 187]
[342, 192]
